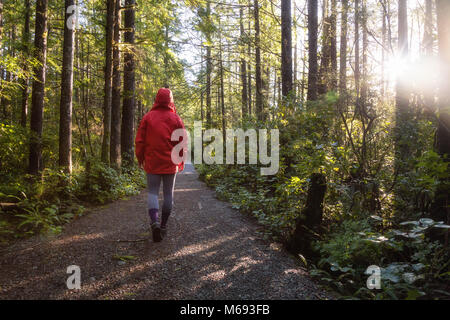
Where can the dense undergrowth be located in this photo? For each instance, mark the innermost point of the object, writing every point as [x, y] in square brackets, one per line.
[44, 205]
[372, 215]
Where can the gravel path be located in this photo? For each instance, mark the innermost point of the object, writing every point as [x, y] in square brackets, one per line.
[211, 252]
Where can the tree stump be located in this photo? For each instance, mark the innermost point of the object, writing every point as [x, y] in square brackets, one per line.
[308, 223]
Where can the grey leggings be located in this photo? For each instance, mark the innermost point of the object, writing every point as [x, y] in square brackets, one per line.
[153, 183]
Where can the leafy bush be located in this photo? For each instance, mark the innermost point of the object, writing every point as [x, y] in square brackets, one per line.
[354, 246]
[45, 205]
[350, 245]
[14, 150]
[102, 184]
[43, 217]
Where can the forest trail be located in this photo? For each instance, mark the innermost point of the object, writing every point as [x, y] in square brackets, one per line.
[211, 252]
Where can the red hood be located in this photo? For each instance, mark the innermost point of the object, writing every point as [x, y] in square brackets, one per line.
[164, 99]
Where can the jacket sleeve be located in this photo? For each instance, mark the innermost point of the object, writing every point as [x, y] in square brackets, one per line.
[140, 140]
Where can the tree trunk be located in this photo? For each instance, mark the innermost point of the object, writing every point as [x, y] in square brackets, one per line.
[222, 94]
[1, 21]
[383, 51]
[26, 51]
[441, 211]
[208, 73]
[265, 90]
[357, 67]
[79, 94]
[38, 91]
[222, 98]
[202, 75]
[364, 85]
[6, 101]
[428, 90]
[127, 130]
[1, 69]
[303, 81]
[428, 35]
[343, 52]
[295, 80]
[65, 108]
[108, 80]
[388, 17]
[243, 67]
[166, 57]
[402, 100]
[333, 46]
[286, 47]
[324, 69]
[312, 41]
[249, 67]
[258, 80]
[208, 87]
[114, 154]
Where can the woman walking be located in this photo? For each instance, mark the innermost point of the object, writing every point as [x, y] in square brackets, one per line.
[154, 153]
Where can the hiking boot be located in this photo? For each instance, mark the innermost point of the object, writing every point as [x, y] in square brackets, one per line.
[156, 232]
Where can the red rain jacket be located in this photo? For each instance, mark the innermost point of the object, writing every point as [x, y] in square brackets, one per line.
[153, 139]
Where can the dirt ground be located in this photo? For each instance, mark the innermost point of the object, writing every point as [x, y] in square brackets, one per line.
[211, 252]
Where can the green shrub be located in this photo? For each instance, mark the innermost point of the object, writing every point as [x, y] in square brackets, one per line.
[14, 150]
[412, 265]
[349, 245]
[102, 184]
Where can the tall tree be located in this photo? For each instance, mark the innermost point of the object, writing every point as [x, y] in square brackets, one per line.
[129, 86]
[295, 62]
[357, 54]
[286, 47]
[114, 153]
[222, 85]
[333, 45]
[1, 21]
[383, 47]
[6, 99]
[110, 8]
[26, 51]
[324, 69]
[249, 67]
[166, 55]
[243, 65]
[258, 75]
[38, 91]
[443, 130]
[343, 50]
[428, 34]
[65, 107]
[202, 79]
[312, 50]
[209, 70]
[365, 48]
[428, 49]
[402, 96]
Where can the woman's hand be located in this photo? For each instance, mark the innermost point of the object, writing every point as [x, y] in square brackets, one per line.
[142, 165]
